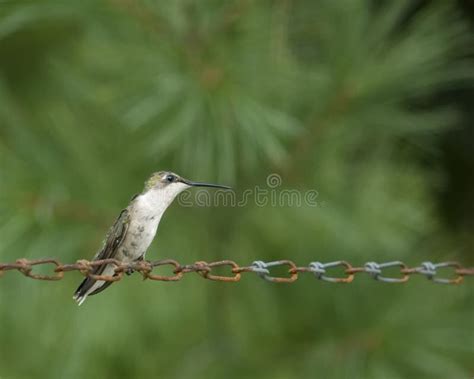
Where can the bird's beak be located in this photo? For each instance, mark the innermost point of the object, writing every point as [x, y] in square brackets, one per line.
[198, 184]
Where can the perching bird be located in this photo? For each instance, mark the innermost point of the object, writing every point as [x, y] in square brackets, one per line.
[135, 227]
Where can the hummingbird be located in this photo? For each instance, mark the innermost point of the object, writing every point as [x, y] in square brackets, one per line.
[134, 229]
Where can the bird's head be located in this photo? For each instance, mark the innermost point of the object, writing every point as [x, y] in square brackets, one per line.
[172, 184]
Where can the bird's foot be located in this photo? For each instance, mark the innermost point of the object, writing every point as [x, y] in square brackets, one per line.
[129, 270]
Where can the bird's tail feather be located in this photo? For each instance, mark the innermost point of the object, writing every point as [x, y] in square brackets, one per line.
[90, 287]
[83, 290]
[79, 299]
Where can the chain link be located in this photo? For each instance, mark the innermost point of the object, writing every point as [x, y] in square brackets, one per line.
[454, 273]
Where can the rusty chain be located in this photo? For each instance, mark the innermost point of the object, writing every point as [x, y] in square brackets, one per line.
[454, 273]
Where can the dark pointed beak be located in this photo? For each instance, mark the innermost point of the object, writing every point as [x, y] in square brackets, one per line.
[198, 184]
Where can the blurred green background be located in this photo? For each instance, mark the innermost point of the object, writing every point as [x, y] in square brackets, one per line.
[368, 102]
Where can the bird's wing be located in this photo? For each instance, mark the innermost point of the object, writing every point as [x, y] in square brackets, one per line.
[114, 239]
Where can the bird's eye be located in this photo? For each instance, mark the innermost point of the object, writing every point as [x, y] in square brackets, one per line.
[170, 178]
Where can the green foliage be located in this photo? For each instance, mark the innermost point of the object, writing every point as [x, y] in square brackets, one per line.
[332, 95]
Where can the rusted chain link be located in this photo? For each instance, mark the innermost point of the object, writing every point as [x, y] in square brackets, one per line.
[453, 272]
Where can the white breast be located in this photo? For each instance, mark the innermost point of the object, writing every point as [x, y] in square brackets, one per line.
[145, 216]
